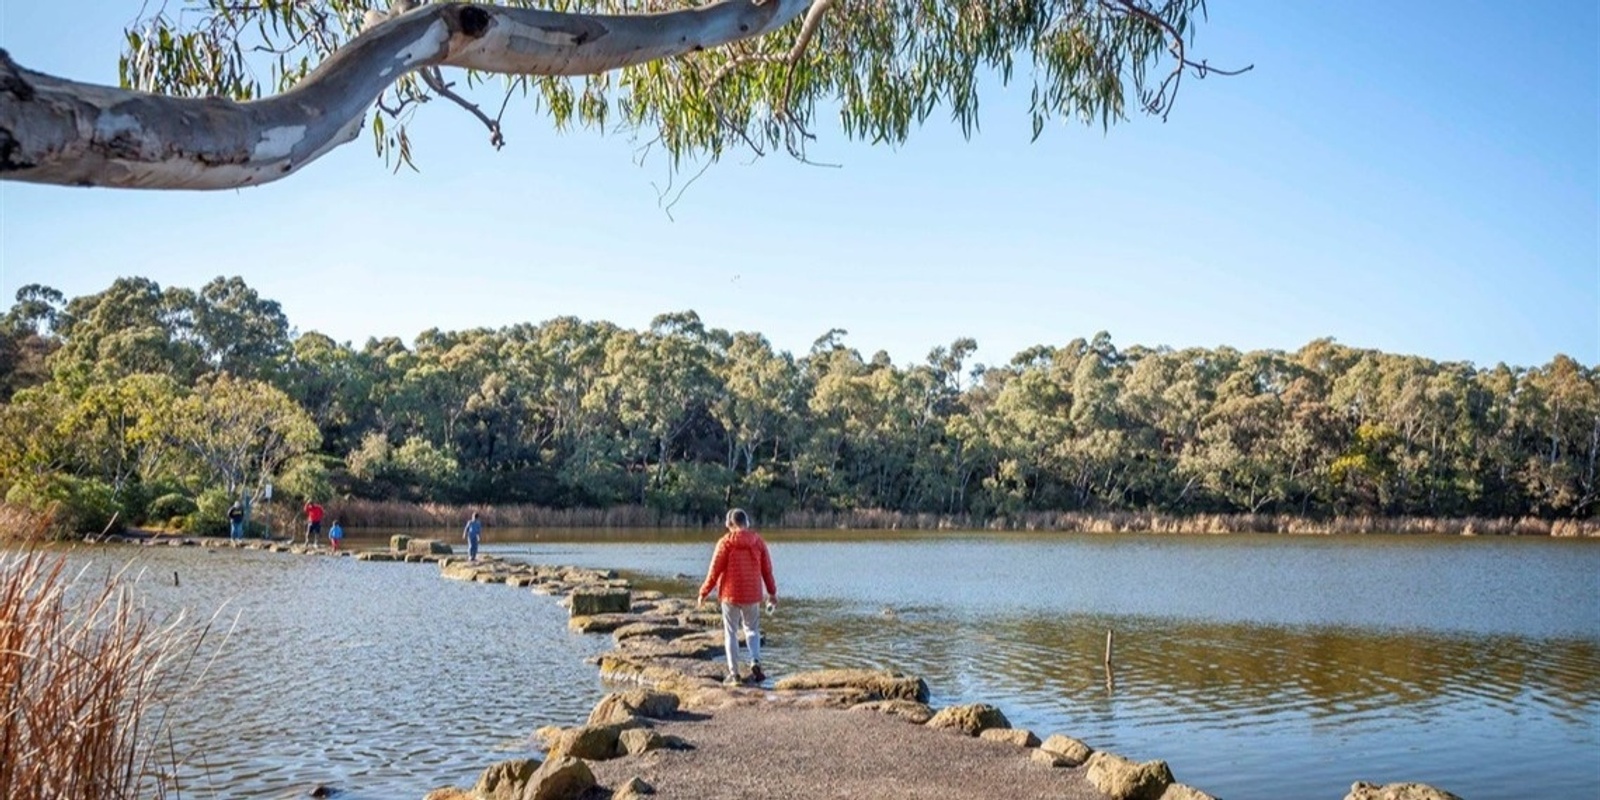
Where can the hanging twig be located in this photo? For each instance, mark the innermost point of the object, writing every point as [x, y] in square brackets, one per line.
[435, 81]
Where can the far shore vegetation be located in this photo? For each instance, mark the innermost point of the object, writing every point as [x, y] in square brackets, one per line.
[158, 408]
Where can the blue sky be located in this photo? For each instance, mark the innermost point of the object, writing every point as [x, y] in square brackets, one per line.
[1416, 177]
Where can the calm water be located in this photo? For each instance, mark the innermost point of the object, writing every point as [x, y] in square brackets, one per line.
[1258, 667]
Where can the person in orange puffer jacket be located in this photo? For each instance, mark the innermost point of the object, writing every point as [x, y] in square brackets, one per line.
[739, 570]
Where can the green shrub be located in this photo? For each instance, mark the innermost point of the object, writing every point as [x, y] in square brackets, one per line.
[80, 505]
[306, 478]
[210, 517]
[138, 501]
[170, 506]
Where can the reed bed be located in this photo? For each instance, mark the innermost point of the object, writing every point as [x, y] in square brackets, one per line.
[392, 514]
[88, 680]
[20, 523]
[1148, 522]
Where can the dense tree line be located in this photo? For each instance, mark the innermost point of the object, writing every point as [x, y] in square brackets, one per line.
[156, 404]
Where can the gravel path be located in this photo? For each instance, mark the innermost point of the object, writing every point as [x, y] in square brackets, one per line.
[773, 752]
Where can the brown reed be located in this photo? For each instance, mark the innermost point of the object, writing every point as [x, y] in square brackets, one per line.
[20, 523]
[355, 513]
[88, 677]
[1152, 522]
[393, 514]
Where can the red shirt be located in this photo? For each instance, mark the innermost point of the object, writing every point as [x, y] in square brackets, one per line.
[740, 567]
[313, 512]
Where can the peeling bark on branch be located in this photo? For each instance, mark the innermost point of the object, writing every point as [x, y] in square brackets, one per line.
[59, 131]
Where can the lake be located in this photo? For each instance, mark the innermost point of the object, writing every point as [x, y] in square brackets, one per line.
[1257, 666]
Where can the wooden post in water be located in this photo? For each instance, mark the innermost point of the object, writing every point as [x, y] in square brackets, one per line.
[1110, 681]
[174, 577]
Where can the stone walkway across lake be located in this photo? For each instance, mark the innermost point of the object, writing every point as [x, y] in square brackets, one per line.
[846, 734]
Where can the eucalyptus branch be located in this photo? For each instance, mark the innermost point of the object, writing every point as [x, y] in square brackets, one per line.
[435, 81]
[808, 29]
[70, 133]
[1160, 101]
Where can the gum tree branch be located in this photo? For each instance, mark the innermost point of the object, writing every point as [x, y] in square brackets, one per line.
[59, 131]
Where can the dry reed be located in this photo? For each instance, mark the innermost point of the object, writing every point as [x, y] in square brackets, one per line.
[392, 514]
[22, 523]
[1152, 522]
[87, 677]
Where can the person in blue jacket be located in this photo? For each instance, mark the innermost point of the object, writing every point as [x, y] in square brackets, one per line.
[473, 534]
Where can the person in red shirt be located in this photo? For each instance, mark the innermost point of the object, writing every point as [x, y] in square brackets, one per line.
[740, 568]
[313, 522]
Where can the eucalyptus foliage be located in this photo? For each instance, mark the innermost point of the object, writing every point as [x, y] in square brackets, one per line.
[686, 418]
[884, 67]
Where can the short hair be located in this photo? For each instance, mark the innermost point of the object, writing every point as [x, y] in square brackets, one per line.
[736, 516]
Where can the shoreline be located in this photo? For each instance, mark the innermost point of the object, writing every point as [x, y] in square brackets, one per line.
[405, 516]
[670, 728]
[369, 514]
[1109, 526]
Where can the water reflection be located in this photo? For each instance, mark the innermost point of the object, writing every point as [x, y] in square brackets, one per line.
[1257, 666]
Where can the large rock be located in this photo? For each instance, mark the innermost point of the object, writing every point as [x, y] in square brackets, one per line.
[699, 645]
[506, 780]
[1122, 779]
[589, 601]
[599, 623]
[970, 719]
[448, 793]
[1362, 790]
[879, 684]
[909, 710]
[593, 742]
[398, 542]
[651, 629]
[1021, 737]
[637, 741]
[427, 547]
[560, 779]
[1068, 748]
[624, 706]
[665, 673]
[547, 736]
[1049, 759]
[1178, 791]
[634, 788]
[458, 570]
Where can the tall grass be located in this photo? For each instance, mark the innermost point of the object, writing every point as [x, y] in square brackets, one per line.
[1148, 522]
[393, 514]
[86, 678]
[20, 523]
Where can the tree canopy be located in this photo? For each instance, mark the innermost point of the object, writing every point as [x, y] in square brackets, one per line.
[222, 93]
[684, 418]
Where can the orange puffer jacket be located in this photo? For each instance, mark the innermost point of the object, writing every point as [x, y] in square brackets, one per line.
[740, 567]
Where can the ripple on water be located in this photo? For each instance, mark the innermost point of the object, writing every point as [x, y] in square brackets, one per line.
[385, 680]
[380, 679]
